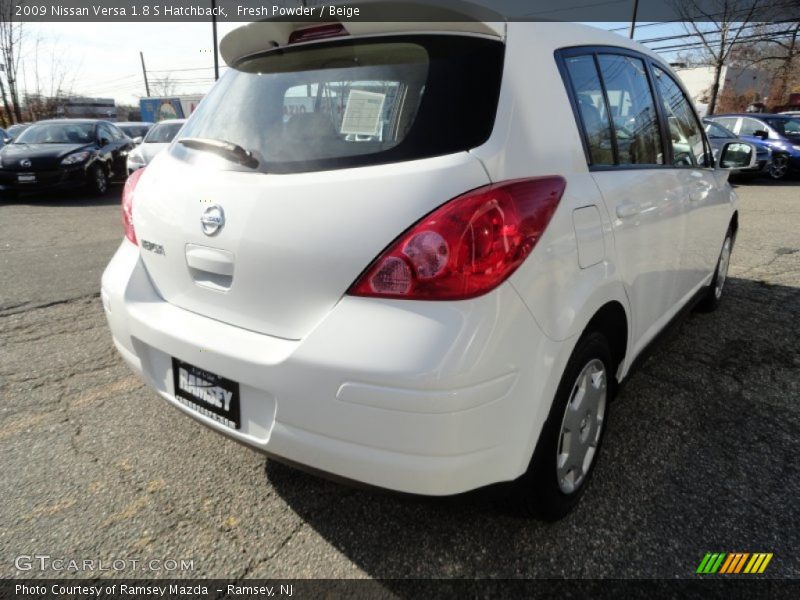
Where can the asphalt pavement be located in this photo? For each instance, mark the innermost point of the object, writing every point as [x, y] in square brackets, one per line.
[700, 453]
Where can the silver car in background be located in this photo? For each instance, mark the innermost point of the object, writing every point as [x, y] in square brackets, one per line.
[159, 137]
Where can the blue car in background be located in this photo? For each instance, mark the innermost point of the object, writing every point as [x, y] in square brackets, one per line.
[718, 136]
[780, 132]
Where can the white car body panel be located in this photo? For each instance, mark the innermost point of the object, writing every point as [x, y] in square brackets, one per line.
[278, 297]
[424, 397]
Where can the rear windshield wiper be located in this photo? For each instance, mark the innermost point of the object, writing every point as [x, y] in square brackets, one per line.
[229, 150]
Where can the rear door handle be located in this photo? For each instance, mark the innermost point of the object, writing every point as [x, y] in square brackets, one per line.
[628, 210]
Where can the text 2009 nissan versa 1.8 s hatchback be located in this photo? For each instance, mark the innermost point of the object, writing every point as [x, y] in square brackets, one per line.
[421, 256]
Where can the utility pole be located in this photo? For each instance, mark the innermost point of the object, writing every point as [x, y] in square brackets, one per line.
[144, 72]
[633, 18]
[214, 34]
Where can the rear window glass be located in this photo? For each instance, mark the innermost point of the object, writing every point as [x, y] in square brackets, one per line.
[347, 103]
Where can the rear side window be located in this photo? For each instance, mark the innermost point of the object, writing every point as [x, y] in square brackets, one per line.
[353, 103]
[715, 131]
[592, 108]
[104, 131]
[116, 132]
[632, 109]
[751, 126]
[727, 122]
[686, 136]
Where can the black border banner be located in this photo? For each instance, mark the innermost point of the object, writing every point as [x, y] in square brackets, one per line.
[728, 588]
[398, 10]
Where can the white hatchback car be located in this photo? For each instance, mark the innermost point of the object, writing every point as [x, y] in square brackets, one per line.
[421, 255]
[157, 140]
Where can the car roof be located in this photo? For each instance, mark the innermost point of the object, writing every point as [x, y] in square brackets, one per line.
[137, 123]
[266, 35]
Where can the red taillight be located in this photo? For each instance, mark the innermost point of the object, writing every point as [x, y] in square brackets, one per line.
[319, 32]
[466, 247]
[127, 205]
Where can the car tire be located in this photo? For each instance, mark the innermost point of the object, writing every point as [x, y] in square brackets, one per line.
[713, 295]
[779, 167]
[97, 180]
[570, 441]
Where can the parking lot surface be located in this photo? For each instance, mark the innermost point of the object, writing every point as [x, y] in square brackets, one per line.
[700, 453]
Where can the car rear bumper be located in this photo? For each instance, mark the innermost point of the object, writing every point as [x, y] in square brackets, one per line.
[428, 398]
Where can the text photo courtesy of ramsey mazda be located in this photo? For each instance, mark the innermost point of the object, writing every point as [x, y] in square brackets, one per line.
[409, 293]
[424, 299]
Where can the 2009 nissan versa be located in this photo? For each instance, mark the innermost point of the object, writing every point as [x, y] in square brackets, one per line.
[422, 255]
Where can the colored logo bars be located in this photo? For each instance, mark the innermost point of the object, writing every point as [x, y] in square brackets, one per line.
[734, 563]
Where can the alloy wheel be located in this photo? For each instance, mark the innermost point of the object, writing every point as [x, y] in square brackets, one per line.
[101, 182]
[779, 167]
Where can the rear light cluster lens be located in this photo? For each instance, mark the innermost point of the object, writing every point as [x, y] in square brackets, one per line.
[466, 247]
[127, 205]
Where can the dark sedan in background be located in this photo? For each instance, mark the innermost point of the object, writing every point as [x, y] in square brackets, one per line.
[64, 153]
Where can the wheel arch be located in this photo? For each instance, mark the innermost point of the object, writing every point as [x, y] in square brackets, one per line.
[611, 321]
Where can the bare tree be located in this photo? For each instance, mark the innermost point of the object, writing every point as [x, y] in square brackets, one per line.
[11, 37]
[49, 89]
[778, 51]
[164, 86]
[718, 24]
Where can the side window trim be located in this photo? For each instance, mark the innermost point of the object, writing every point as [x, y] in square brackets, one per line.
[593, 50]
[663, 119]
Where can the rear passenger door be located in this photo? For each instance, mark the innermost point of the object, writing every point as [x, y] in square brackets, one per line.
[617, 109]
[705, 204]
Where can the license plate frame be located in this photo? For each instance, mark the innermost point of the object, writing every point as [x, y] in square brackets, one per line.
[207, 393]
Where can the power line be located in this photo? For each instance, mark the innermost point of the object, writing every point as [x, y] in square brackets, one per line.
[176, 70]
[555, 10]
[716, 32]
[740, 40]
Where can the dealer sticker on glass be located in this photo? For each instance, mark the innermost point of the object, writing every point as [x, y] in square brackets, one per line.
[362, 116]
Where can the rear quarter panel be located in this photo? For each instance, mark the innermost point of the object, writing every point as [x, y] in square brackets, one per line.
[536, 135]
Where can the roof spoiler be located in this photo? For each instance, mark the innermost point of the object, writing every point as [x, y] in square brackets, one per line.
[443, 16]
